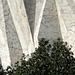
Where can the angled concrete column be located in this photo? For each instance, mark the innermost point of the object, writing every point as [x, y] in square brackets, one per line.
[67, 12]
[50, 26]
[14, 46]
[4, 50]
[30, 6]
[40, 4]
[15, 34]
[63, 28]
[21, 24]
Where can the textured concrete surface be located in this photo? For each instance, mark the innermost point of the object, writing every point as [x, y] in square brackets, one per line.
[50, 27]
[30, 6]
[23, 22]
[17, 31]
[67, 12]
[4, 51]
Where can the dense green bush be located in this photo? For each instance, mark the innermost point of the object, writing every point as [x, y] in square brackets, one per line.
[47, 60]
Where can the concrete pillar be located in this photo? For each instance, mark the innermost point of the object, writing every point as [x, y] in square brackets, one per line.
[50, 26]
[40, 5]
[15, 34]
[4, 50]
[67, 12]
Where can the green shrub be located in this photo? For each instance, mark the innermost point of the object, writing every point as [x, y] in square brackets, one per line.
[47, 60]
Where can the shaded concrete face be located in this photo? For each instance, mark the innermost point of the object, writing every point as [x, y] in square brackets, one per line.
[50, 27]
[30, 6]
[15, 49]
[40, 5]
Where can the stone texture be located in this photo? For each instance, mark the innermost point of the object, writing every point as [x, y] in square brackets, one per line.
[30, 6]
[12, 36]
[40, 5]
[23, 22]
[4, 51]
[50, 27]
[67, 12]
[17, 30]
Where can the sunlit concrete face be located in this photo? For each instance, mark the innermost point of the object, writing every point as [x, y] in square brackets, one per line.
[67, 14]
[30, 6]
[23, 22]
[53, 19]
[15, 34]
[4, 51]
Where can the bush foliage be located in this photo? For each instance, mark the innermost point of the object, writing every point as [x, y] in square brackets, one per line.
[56, 59]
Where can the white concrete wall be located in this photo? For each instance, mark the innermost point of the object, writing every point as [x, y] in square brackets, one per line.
[15, 37]
[67, 12]
[23, 22]
[40, 5]
[30, 6]
[4, 50]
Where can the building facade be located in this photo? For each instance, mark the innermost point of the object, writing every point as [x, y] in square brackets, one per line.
[23, 22]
